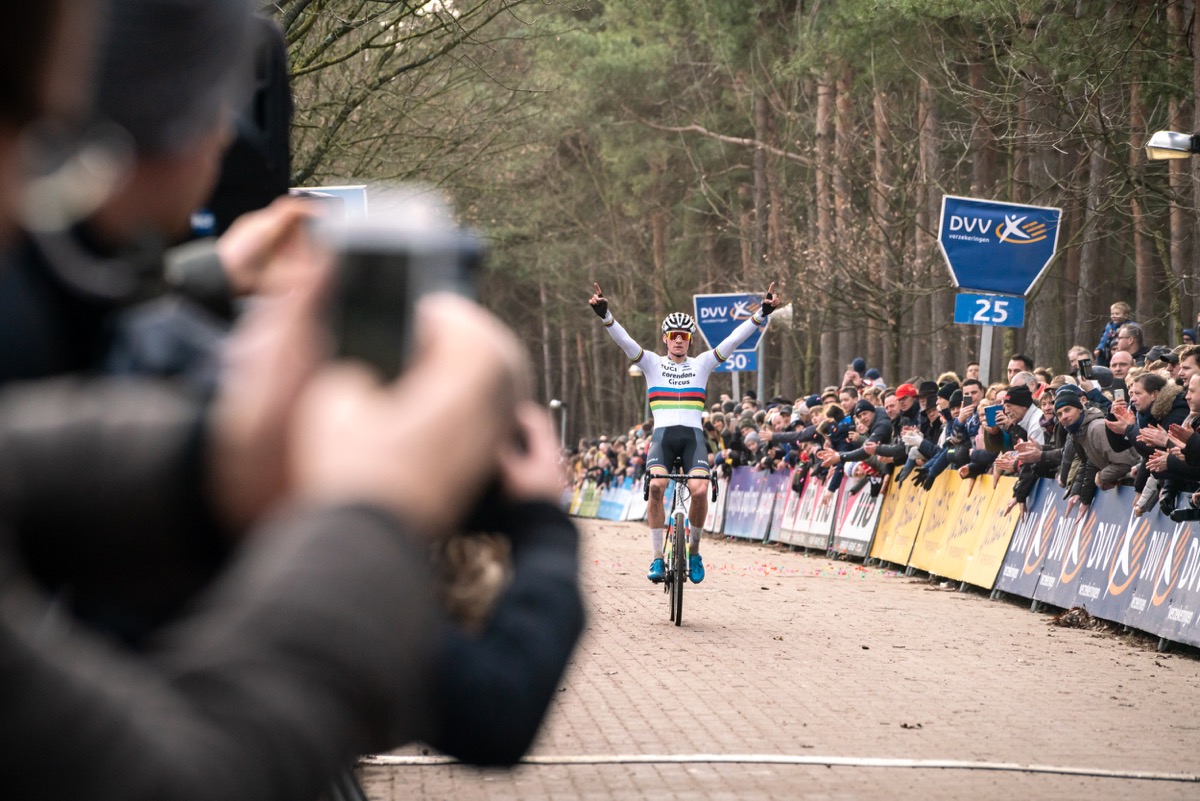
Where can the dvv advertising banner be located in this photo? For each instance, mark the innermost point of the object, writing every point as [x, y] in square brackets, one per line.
[997, 247]
[718, 315]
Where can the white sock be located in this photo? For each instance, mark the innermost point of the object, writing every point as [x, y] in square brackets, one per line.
[656, 541]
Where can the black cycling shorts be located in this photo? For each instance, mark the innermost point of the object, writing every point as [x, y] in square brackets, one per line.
[679, 442]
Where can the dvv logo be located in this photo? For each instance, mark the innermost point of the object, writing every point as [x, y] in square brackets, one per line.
[1018, 232]
[1015, 230]
[977, 238]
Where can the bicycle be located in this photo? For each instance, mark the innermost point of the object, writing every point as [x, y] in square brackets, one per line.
[675, 545]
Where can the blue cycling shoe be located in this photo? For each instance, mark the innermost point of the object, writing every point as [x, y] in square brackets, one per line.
[657, 571]
[696, 568]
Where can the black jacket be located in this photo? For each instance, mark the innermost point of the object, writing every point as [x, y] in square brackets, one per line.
[320, 641]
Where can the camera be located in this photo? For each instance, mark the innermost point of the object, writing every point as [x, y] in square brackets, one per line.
[1186, 513]
[1085, 368]
[385, 263]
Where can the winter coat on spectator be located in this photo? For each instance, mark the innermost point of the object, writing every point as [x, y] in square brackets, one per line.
[880, 432]
[1092, 444]
[1108, 337]
[1169, 408]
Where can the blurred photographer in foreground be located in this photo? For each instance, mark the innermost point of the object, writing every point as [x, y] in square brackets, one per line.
[320, 638]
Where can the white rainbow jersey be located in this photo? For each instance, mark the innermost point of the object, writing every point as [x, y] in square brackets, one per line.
[676, 391]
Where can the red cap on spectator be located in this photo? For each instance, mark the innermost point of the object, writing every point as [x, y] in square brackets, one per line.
[906, 391]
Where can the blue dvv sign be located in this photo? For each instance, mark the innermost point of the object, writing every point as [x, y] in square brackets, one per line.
[1004, 310]
[718, 315]
[997, 247]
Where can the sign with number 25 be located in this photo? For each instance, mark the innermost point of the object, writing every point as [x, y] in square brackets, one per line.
[1002, 310]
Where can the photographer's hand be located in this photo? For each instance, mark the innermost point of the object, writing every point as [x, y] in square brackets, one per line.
[532, 473]
[356, 441]
[269, 359]
[249, 248]
[598, 302]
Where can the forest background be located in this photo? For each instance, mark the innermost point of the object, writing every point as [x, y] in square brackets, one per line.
[675, 147]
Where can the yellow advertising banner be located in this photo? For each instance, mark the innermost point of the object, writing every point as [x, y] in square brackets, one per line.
[589, 503]
[904, 524]
[941, 511]
[995, 533]
[964, 529]
[887, 517]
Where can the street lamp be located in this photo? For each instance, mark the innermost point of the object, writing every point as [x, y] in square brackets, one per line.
[1172, 145]
[561, 408]
[636, 372]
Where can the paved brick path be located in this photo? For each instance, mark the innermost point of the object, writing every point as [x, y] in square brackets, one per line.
[785, 653]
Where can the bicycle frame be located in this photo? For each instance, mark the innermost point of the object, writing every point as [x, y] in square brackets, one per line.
[675, 541]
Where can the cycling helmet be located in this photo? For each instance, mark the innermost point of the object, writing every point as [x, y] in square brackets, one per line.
[678, 321]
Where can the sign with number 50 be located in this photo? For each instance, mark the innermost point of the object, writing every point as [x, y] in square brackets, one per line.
[1002, 310]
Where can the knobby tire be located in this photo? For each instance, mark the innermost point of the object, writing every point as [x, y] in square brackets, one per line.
[680, 577]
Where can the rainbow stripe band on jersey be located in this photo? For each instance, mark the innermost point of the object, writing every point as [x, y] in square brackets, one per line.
[664, 398]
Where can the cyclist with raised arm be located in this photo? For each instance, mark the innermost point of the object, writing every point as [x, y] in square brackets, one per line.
[675, 385]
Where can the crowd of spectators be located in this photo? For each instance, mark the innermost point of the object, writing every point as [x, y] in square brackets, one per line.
[1126, 412]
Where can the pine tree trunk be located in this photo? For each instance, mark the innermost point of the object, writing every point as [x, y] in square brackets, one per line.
[822, 195]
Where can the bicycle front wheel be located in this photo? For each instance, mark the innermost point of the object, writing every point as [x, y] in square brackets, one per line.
[680, 559]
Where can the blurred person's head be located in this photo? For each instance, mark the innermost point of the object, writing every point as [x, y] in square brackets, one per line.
[1075, 353]
[847, 396]
[1119, 312]
[45, 78]
[906, 394]
[1129, 338]
[1120, 364]
[1024, 378]
[972, 391]
[1068, 408]
[1189, 363]
[1017, 400]
[1189, 336]
[1046, 404]
[1018, 363]
[1144, 390]
[891, 405]
[948, 377]
[1193, 394]
[171, 74]
[972, 371]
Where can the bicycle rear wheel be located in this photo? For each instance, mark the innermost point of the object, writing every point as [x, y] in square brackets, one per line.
[680, 578]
